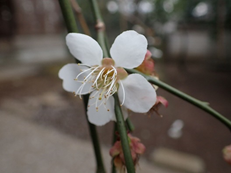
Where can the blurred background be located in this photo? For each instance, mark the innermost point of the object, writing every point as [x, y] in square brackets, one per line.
[42, 125]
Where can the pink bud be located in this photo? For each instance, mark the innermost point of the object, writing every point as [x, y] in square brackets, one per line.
[147, 66]
[227, 154]
[116, 149]
[136, 147]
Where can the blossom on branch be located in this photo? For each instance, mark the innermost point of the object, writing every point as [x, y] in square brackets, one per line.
[102, 77]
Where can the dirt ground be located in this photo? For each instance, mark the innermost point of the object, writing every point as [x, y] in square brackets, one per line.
[202, 134]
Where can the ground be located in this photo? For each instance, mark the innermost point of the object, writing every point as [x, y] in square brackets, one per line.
[42, 100]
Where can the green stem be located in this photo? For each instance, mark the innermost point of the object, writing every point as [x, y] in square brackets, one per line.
[100, 27]
[113, 169]
[202, 105]
[72, 27]
[96, 10]
[131, 127]
[68, 15]
[101, 41]
[123, 136]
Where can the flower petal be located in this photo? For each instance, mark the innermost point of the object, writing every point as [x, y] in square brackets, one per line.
[129, 49]
[84, 48]
[140, 96]
[68, 73]
[104, 113]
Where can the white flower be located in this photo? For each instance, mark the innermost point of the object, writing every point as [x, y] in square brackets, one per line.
[102, 77]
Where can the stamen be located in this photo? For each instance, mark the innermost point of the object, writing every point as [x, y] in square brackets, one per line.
[114, 69]
[95, 83]
[82, 73]
[107, 75]
[84, 65]
[91, 72]
[112, 84]
[102, 80]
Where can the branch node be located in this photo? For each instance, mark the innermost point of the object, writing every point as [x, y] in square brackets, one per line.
[100, 26]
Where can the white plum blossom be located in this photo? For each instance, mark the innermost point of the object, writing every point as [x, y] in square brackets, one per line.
[102, 77]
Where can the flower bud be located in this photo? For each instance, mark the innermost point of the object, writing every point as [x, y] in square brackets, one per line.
[227, 154]
[147, 66]
[136, 147]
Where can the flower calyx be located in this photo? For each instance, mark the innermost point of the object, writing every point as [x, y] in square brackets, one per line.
[159, 101]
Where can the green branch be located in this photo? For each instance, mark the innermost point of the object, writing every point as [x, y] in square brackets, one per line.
[68, 15]
[100, 27]
[202, 105]
[123, 136]
[113, 168]
[72, 27]
[101, 40]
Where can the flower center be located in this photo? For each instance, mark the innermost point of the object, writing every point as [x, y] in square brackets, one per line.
[104, 80]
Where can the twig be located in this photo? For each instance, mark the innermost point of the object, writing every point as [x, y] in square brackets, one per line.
[200, 104]
[80, 17]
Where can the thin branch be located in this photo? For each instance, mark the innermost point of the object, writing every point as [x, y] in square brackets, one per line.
[123, 136]
[68, 15]
[80, 17]
[200, 104]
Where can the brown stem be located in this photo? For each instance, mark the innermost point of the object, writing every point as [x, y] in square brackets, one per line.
[80, 17]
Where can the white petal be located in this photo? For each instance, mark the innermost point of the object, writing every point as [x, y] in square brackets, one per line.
[68, 73]
[124, 111]
[84, 48]
[140, 96]
[129, 49]
[102, 116]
